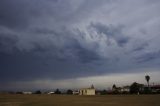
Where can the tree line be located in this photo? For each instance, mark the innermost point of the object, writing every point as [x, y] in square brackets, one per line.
[134, 88]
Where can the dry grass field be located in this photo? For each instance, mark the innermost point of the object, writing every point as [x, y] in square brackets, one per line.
[71, 100]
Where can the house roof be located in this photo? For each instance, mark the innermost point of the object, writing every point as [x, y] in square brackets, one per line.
[87, 89]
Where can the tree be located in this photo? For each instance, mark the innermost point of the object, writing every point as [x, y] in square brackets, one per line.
[57, 91]
[135, 88]
[38, 92]
[69, 91]
[147, 77]
[114, 87]
[104, 92]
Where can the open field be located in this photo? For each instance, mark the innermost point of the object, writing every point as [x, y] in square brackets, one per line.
[71, 100]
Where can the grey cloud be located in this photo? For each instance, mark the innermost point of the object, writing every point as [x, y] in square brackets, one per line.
[84, 55]
[19, 13]
[44, 31]
[7, 42]
[147, 57]
[112, 32]
[59, 39]
[13, 13]
[140, 47]
[29, 66]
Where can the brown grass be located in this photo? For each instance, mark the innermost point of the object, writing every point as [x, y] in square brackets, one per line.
[71, 100]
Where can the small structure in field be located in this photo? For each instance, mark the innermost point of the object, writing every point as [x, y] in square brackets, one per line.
[51, 92]
[87, 91]
[75, 92]
[25, 92]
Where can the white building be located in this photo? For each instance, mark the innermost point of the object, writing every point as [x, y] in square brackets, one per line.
[87, 91]
[50, 92]
[26, 92]
[75, 92]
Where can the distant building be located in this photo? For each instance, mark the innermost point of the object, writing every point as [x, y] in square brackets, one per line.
[75, 92]
[125, 89]
[26, 92]
[155, 88]
[87, 91]
[51, 93]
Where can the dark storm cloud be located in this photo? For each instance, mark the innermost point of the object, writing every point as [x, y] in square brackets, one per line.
[7, 42]
[44, 31]
[19, 13]
[13, 13]
[147, 57]
[84, 55]
[58, 39]
[28, 66]
[140, 47]
[111, 32]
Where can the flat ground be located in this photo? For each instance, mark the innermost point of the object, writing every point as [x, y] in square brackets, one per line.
[75, 100]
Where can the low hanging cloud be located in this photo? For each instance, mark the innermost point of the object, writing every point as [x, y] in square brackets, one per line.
[60, 39]
[99, 82]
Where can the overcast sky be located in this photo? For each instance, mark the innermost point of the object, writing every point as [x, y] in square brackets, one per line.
[76, 43]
